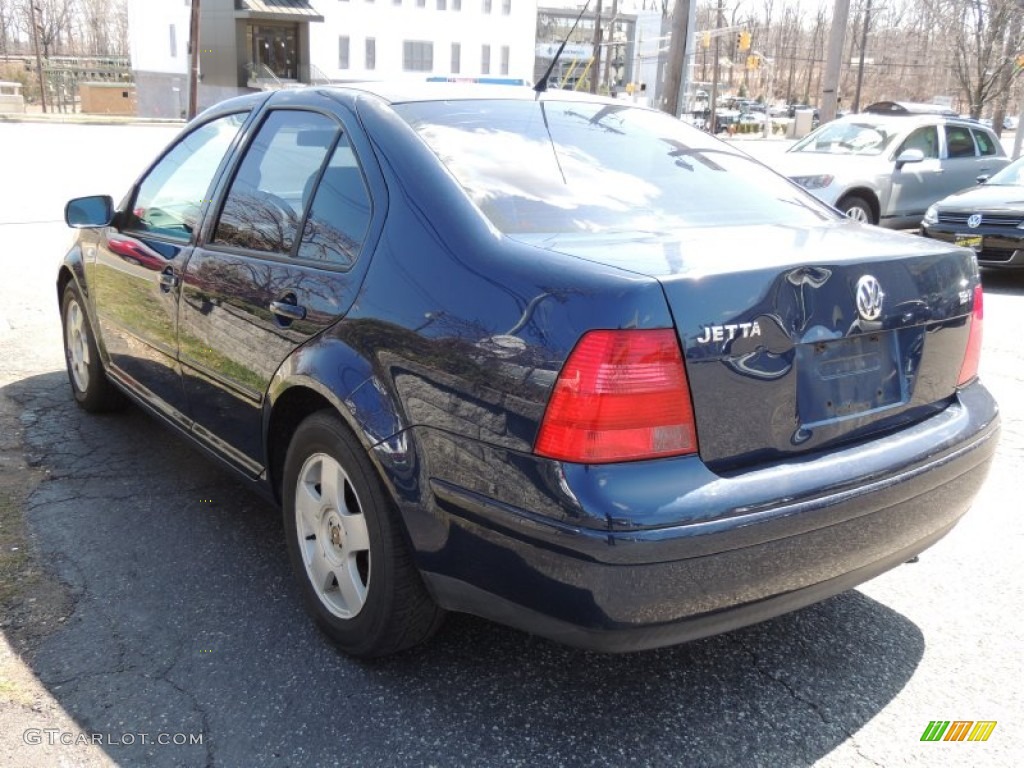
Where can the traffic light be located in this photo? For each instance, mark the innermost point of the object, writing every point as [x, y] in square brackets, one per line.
[743, 40]
[753, 62]
[1020, 61]
[705, 39]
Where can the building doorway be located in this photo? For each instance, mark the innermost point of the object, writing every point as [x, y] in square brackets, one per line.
[273, 47]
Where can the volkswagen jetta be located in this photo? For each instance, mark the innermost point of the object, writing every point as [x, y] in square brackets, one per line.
[551, 359]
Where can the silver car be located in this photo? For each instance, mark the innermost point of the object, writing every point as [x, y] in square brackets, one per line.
[887, 169]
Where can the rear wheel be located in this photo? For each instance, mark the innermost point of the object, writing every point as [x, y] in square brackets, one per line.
[92, 389]
[857, 208]
[346, 546]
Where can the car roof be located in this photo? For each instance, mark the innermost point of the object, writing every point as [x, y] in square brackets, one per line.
[908, 108]
[902, 121]
[399, 92]
[402, 91]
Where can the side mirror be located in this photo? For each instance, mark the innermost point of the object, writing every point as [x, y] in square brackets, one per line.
[982, 178]
[93, 211]
[909, 156]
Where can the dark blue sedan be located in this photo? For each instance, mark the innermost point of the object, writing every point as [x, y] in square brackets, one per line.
[551, 359]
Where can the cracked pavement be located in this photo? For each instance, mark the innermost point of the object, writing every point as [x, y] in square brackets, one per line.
[172, 609]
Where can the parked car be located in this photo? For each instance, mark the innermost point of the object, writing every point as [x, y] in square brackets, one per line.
[887, 169]
[988, 218]
[631, 389]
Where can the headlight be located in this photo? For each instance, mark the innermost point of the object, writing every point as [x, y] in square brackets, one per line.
[813, 182]
[931, 216]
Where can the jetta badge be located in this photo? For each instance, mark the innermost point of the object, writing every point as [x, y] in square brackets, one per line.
[974, 221]
[869, 298]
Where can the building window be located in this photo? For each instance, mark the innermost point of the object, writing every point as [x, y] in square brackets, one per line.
[174, 42]
[421, 3]
[487, 6]
[442, 5]
[417, 56]
[396, 2]
[456, 5]
[371, 53]
[506, 7]
[504, 59]
[485, 60]
[456, 58]
[343, 52]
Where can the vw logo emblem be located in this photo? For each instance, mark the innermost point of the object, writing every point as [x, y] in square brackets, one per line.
[974, 221]
[869, 298]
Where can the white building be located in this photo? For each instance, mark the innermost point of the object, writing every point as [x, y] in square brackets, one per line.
[252, 44]
[384, 39]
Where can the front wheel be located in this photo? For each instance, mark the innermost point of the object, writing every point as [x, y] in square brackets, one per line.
[857, 208]
[92, 389]
[345, 542]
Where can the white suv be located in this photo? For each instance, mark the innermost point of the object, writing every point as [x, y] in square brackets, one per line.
[888, 168]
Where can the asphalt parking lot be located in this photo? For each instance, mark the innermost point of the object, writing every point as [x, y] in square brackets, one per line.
[145, 592]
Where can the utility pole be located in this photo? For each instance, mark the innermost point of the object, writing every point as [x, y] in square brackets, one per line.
[595, 67]
[860, 62]
[676, 57]
[830, 84]
[611, 40]
[33, 9]
[193, 50]
[715, 71]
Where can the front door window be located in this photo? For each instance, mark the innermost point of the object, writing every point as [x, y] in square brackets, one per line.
[273, 49]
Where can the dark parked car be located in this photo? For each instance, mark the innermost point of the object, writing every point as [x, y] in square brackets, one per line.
[552, 359]
[988, 218]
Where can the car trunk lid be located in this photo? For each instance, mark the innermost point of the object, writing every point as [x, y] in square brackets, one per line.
[796, 339]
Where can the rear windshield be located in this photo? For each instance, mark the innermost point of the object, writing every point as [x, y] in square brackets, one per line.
[557, 167]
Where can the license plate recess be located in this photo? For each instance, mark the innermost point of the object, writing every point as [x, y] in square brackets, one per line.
[844, 378]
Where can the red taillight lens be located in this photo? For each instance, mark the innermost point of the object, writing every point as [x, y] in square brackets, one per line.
[969, 369]
[621, 395]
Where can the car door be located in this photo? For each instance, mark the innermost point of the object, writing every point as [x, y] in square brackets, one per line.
[135, 273]
[914, 184]
[276, 267]
[960, 162]
[990, 157]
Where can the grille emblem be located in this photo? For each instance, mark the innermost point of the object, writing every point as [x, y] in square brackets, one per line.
[869, 298]
[974, 221]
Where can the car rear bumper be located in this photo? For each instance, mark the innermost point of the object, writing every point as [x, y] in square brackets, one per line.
[742, 549]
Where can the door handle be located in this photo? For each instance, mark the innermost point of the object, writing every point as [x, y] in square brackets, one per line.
[288, 311]
[168, 280]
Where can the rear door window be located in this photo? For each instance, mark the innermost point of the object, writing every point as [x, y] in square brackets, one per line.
[959, 142]
[275, 181]
[336, 226]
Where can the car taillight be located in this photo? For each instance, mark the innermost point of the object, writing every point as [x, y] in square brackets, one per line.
[622, 395]
[969, 369]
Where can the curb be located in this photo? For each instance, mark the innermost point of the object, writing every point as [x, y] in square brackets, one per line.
[87, 119]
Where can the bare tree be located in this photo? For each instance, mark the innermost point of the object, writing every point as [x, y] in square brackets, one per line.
[50, 21]
[977, 31]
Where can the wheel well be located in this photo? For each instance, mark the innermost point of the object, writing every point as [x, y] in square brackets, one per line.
[63, 278]
[291, 408]
[867, 196]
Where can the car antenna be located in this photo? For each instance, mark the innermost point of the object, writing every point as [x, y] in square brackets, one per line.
[542, 84]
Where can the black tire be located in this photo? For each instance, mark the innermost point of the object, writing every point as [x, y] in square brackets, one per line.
[857, 208]
[396, 611]
[92, 390]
